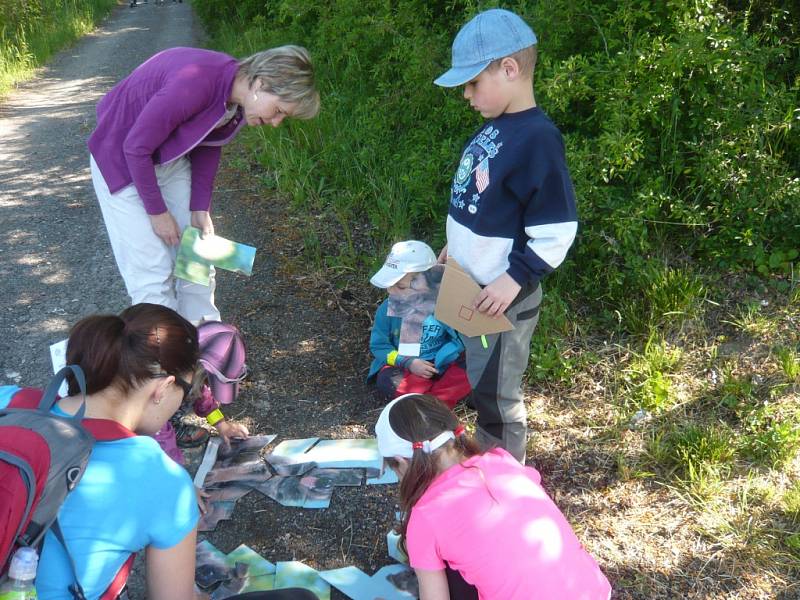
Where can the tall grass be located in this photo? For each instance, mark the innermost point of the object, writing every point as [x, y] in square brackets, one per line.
[31, 31]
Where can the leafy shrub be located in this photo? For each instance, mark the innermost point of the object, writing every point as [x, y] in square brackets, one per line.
[680, 120]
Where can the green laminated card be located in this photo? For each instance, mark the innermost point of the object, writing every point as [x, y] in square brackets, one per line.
[196, 255]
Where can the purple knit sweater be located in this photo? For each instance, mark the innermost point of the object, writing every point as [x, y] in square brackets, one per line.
[166, 108]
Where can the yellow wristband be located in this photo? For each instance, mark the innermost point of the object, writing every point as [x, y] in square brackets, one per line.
[391, 358]
[215, 416]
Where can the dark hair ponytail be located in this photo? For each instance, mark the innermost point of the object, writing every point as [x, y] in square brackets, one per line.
[126, 350]
[416, 418]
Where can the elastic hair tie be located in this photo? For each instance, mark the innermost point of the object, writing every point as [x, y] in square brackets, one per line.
[459, 430]
[417, 445]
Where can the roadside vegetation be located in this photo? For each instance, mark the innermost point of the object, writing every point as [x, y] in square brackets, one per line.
[31, 31]
[665, 372]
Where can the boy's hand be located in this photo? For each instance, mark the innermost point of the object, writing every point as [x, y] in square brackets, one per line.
[495, 297]
[443, 255]
[422, 368]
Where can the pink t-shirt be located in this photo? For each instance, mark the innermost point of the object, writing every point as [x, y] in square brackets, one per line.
[491, 520]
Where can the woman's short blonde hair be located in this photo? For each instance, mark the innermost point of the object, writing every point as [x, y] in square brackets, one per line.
[287, 72]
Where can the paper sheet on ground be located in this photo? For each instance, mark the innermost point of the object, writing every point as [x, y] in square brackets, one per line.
[58, 356]
[306, 472]
[196, 254]
[454, 304]
[388, 477]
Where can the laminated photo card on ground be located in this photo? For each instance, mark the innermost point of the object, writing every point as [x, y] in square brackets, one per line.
[393, 582]
[330, 454]
[306, 471]
[238, 572]
[299, 492]
[229, 473]
[296, 574]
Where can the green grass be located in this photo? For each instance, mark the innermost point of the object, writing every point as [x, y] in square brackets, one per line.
[771, 435]
[789, 360]
[667, 298]
[32, 31]
[649, 376]
[696, 455]
[791, 503]
[750, 319]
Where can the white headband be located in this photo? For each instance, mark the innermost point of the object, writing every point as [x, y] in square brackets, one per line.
[390, 444]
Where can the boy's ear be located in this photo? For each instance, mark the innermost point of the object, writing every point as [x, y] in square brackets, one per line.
[510, 68]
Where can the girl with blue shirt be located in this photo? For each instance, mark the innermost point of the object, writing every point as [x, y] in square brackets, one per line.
[139, 366]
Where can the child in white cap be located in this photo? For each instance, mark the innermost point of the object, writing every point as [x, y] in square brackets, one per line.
[478, 524]
[437, 367]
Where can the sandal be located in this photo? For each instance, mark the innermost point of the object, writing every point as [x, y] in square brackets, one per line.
[189, 436]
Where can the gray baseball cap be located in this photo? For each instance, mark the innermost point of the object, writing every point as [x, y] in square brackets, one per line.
[488, 36]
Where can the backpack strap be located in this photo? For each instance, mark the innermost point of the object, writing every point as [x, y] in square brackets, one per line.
[102, 430]
[120, 579]
[50, 396]
[74, 588]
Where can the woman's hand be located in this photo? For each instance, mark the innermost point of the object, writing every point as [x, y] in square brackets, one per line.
[228, 430]
[166, 228]
[202, 220]
[422, 368]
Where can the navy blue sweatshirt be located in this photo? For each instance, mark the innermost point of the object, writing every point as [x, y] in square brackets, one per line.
[512, 204]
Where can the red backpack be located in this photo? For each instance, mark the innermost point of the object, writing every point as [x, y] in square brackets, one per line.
[42, 458]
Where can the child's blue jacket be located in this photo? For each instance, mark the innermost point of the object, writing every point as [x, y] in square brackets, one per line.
[440, 343]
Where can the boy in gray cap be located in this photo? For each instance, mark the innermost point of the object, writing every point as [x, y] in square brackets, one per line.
[512, 214]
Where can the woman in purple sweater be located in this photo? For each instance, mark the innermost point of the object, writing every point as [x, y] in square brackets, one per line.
[156, 150]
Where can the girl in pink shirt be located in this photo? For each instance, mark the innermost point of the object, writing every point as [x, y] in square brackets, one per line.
[478, 524]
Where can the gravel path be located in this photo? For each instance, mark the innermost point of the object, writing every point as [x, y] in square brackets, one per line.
[56, 263]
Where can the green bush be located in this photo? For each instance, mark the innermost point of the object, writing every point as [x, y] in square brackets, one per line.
[33, 30]
[680, 120]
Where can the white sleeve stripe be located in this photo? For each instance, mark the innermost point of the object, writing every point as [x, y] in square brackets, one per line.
[550, 242]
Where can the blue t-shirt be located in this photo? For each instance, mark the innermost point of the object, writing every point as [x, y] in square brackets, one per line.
[132, 495]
